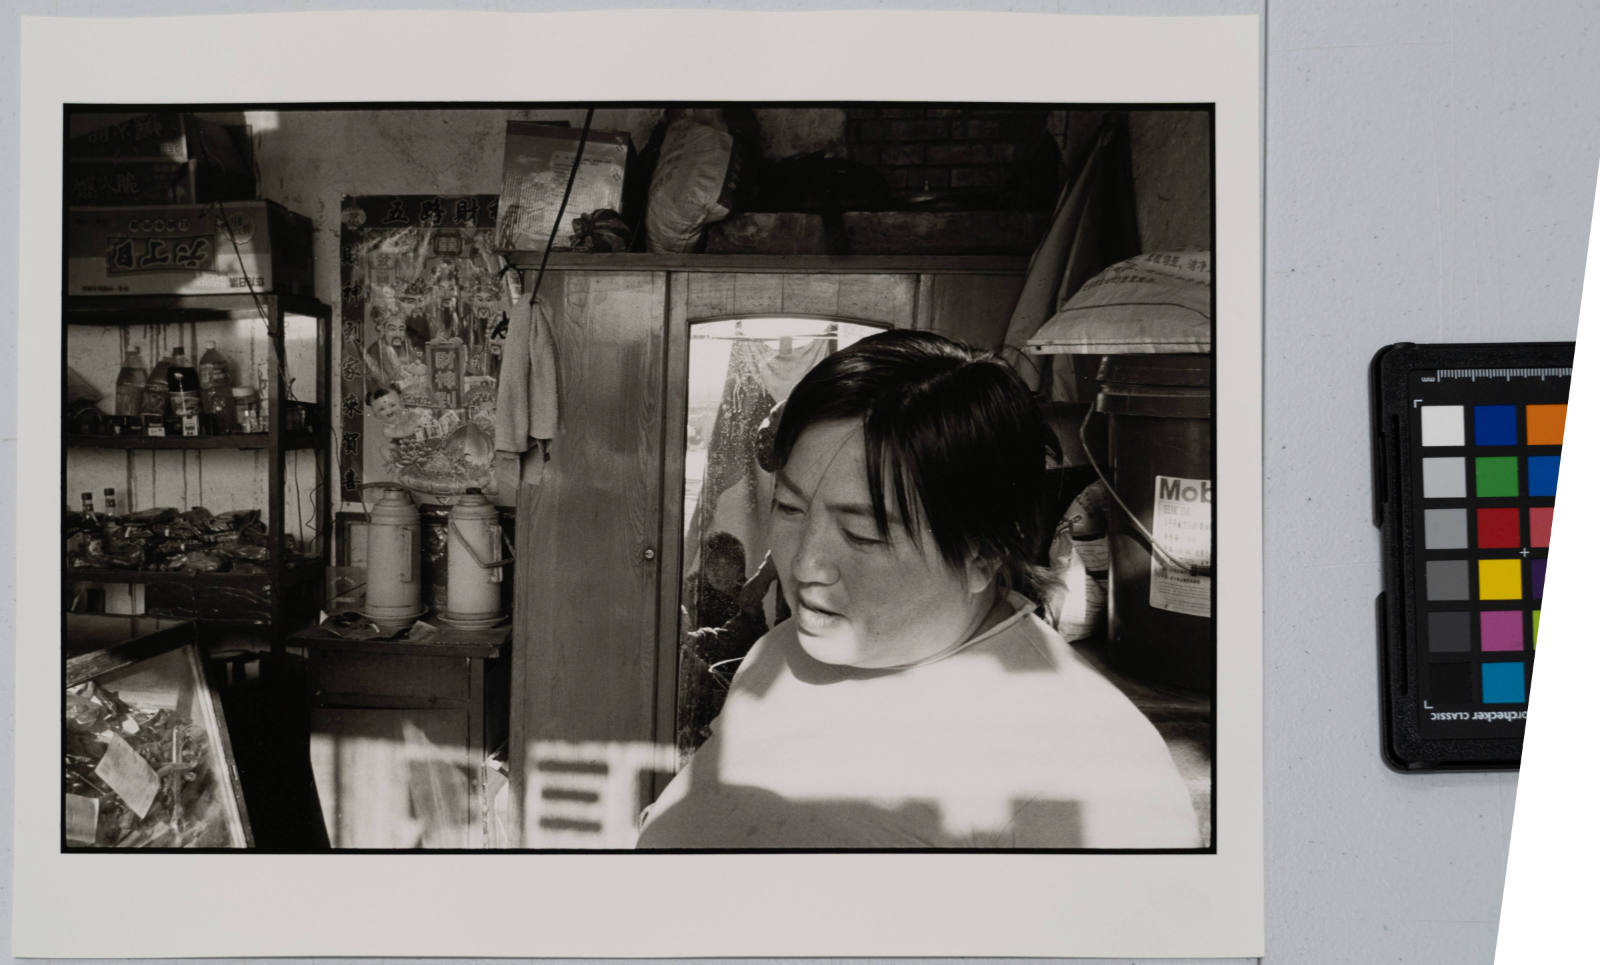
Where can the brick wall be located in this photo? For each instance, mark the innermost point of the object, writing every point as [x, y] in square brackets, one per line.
[990, 158]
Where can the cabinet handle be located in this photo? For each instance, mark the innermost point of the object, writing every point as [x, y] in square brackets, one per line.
[649, 553]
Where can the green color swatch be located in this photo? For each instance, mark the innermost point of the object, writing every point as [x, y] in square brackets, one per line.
[1497, 475]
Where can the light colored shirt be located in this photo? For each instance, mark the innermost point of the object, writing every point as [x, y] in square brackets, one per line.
[1013, 741]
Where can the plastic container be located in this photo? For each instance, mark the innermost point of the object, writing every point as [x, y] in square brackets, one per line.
[1159, 444]
[130, 383]
[245, 405]
[216, 389]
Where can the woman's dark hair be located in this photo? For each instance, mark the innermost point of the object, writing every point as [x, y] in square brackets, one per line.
[955, 429]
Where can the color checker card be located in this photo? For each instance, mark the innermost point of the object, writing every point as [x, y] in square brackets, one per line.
[1466, 457]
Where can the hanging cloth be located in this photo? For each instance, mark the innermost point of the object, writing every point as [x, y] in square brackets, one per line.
[527, 411]
[1095, 225]
[736, 494]
[781, 371]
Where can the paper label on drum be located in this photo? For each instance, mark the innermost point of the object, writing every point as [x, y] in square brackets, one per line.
[1181, 526]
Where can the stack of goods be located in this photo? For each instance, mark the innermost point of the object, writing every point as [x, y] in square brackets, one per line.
[137, 776]
[165, 204]
[161, 158]
[188, 541]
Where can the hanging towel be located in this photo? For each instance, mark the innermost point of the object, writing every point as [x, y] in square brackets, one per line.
[1095, 224]
[780, 372]
[527, 405]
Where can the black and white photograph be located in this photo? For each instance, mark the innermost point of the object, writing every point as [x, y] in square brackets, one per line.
[791, 478]
[932, 412]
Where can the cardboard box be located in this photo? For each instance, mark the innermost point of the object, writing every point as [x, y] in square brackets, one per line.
[188, 249]
[154, 181]
[538, 161]
[167, 135]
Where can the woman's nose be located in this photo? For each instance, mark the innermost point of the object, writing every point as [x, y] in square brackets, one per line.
[813, 559]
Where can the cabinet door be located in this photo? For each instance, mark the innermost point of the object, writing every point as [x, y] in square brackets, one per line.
[395, 778]
[589, 531]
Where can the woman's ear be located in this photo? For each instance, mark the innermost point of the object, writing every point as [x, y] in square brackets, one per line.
[980, 575]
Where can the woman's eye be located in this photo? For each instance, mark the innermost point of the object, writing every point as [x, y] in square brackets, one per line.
[856, 539]
[789, 509]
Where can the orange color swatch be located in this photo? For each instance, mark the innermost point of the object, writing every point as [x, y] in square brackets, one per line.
[1546, 424]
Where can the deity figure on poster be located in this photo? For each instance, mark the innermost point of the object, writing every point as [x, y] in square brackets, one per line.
[394, 356]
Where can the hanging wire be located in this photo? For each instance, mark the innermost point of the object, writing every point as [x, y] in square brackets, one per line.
[1168, 559]
[561, 210]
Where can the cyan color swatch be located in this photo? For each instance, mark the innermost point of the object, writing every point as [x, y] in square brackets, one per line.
[1505, 683]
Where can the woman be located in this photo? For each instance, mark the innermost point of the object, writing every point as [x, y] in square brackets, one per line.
[914, 700]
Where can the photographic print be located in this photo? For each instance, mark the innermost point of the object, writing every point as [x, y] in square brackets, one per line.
[865, 463]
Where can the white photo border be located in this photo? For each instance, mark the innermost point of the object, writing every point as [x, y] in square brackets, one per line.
[631, 905]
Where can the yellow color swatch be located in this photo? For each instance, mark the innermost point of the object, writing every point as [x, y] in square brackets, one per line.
[1499, 579]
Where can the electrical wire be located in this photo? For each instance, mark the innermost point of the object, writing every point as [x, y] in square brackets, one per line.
[561, 210]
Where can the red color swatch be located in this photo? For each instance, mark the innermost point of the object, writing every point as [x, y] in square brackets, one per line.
[1499, 528]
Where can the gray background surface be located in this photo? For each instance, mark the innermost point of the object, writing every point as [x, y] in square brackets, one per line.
[1429, 174]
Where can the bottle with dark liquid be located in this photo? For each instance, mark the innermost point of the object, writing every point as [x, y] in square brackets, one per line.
[130, 383]
[216, 390]
[156, 389]
[183, 384]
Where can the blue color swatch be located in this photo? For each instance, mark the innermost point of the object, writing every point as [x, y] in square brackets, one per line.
[1494, 425]
[1542, 473]
[1504, 683]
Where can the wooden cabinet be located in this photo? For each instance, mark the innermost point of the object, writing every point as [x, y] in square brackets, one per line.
[401, 732]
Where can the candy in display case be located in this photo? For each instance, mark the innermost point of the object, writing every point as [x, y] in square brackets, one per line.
[147, 762]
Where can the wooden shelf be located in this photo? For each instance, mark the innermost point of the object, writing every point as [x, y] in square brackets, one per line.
[132, 309]
[296, 571]
[835, 264]
[300, 439]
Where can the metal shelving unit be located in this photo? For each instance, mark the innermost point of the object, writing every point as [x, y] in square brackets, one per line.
[286, 574]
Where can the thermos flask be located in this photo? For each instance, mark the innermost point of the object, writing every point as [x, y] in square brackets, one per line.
[474, 567]
[394, 561]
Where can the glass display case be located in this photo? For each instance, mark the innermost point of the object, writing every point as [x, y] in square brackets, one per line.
[146, 757]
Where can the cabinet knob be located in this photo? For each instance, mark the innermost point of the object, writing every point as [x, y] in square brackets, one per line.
[649, 553]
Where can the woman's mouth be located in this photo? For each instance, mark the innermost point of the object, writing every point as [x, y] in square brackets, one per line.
[815, 620]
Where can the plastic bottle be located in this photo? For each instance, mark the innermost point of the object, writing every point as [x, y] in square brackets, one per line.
[130, 383]
[156, 389]
[216, 389]
[183, 382]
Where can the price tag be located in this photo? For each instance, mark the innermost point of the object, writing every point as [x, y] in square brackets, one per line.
[83, 817]
[135, 781]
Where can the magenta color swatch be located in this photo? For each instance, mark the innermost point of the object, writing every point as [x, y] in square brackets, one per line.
[1501, 629]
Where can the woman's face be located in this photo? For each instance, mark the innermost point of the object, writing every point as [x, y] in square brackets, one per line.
[857, 600]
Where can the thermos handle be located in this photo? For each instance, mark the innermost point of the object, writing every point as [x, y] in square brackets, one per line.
[492, 564]
[405, 554]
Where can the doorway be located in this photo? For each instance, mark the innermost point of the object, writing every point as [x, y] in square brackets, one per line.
[739, 370]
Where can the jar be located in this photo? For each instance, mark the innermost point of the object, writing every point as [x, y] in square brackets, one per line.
[246, 409]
